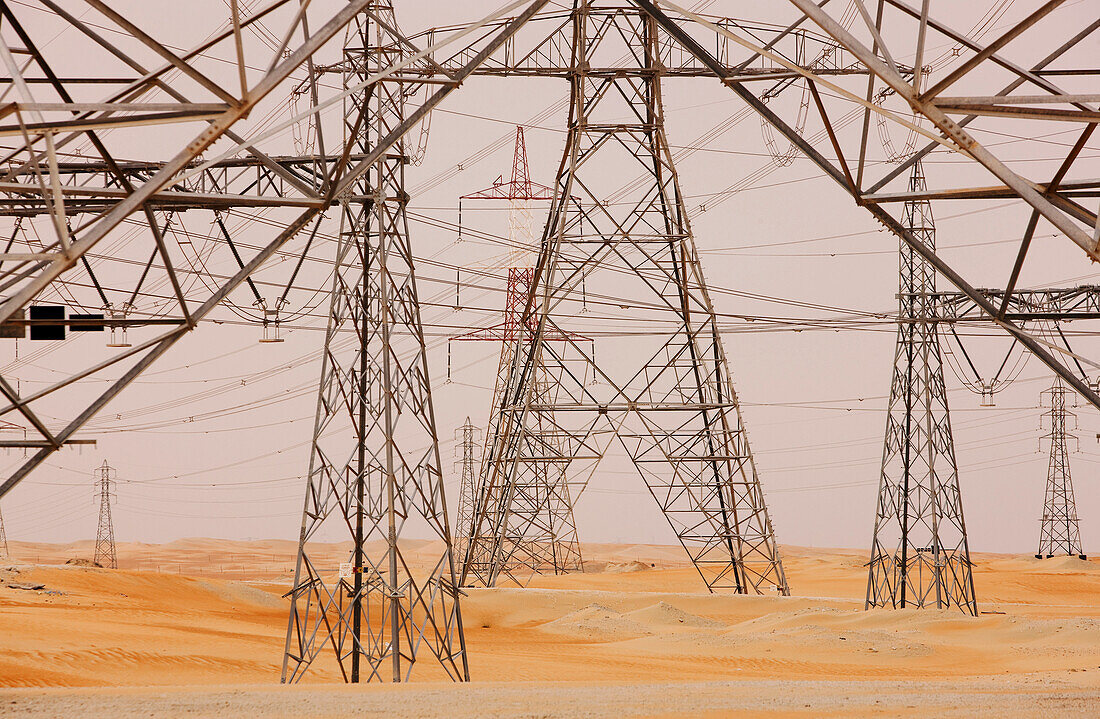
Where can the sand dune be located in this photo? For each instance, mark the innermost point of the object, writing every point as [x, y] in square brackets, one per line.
[214, 616]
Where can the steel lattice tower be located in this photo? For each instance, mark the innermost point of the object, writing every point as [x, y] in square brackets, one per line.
[467, 436]
[542, 534]
[4, 552]
[667, 396]
[542, 502]
[375, 461]
[1060, 532]
[919, 554]
[105, 534]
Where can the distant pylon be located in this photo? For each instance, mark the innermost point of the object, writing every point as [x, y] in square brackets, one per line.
[467, 435]
[105, 534]
[919, 554]
[4, 553]
[1060, 532]
[665, 395]
[543, 504]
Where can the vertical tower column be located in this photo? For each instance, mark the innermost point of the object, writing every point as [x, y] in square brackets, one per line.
[375, 465]
[1059, 528]
[919, 554]
[664, 392]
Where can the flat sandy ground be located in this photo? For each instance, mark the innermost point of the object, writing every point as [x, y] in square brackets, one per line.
[195, 628]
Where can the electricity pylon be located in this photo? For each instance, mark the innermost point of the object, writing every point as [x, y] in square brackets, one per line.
[919, 554]
[4, 552]
[467, 435]
[1059, 529]
[542, 502]
[666, 395]
[113, 194]
[105, 534]
[375, 457]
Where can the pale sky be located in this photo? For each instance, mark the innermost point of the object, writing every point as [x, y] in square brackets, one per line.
[214, 439]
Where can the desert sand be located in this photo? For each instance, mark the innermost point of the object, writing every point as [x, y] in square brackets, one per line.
[195, 628]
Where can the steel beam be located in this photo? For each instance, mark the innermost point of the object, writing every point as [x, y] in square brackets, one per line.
[876, 211]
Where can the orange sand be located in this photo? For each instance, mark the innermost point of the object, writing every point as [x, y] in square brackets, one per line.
[213, 615]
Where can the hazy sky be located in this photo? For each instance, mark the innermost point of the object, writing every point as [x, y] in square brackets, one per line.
[214, 440]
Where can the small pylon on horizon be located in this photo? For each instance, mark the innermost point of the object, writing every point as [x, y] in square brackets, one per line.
[1060, 532]
[105, 555]
[4, 553]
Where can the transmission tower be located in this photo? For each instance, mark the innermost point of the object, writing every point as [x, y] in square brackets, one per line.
[4, 552]
[105, 534]
[919, 554]
[1059, 531]
[66, 110]
[542, 504]
[748, 54]
[375, 460]
[467, 436]
[666, 396]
